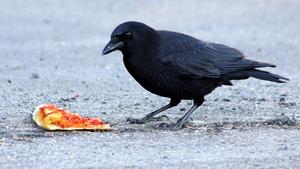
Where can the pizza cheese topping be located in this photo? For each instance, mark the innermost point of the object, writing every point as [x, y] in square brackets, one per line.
[51, 117]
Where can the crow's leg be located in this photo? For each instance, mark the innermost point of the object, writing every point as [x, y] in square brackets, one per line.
[180, 123]
[150, 117]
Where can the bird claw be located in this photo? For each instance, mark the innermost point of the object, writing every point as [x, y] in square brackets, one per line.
[144, 120]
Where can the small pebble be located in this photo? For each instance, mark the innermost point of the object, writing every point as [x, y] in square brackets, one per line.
[226, 100]
[262, 100]
[282, 99]
[182, 109]
[34, 76]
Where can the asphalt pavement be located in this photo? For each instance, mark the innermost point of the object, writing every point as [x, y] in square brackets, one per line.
[51, 53]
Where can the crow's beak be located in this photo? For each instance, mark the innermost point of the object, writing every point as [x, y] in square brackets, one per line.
[112, 46]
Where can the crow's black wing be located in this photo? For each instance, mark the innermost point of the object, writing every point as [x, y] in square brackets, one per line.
[191, 64]
[228, 59]
[186, 56]
[194, 58]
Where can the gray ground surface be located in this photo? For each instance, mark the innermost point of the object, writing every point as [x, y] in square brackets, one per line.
[50, 51]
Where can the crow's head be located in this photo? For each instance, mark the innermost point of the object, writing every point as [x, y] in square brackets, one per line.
[130, 36]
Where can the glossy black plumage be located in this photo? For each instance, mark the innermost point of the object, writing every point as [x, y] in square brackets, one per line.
[179, 66]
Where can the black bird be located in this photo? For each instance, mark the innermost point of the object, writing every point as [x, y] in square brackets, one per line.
[179, 66]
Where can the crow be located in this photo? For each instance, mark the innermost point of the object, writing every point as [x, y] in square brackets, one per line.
[179, 66]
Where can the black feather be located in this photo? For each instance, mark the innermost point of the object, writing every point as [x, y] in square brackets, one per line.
[263, 75]
[176, 65]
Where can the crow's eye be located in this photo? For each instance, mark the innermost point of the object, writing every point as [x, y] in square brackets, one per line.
[127, 35]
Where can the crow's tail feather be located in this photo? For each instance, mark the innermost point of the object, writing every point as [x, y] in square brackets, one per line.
[263, 75]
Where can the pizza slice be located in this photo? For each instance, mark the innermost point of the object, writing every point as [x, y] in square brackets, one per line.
[51, 117]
